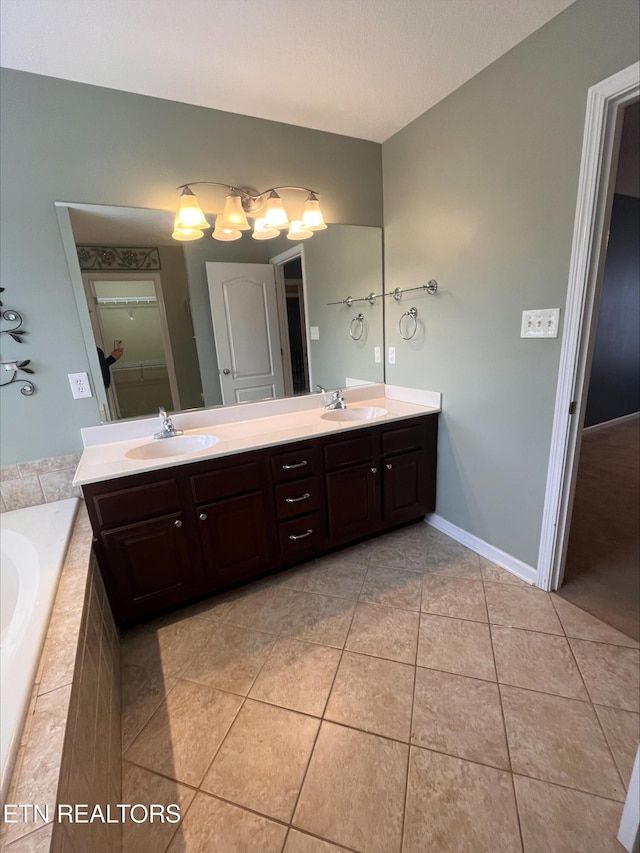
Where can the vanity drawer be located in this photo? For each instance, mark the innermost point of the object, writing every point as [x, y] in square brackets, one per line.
[302, 536]
[136, 503]
[298, 497]
[294, 463]
[225, 482]
[350, 451]
[402, 439]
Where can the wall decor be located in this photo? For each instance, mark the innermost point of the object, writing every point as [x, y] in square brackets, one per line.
[16, 333]
[115, 258]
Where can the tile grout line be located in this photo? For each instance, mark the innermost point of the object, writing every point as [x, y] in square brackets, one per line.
[591, 702]
[322, 718]
[504, 721]
[413, 703]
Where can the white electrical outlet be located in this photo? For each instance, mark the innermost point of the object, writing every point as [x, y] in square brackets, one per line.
[540, 323]
[377, 355]
[314, 333]
[80, 385]
[392, 355]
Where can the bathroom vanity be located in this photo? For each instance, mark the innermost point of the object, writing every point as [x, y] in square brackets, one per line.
[194, 526]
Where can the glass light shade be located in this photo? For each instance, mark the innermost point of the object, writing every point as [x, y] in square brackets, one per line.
[190, 216]
[312, 218]
[233, 216]
[261, 232]
[225, 235]
[185, 234]
[297, 232]
[275, 216]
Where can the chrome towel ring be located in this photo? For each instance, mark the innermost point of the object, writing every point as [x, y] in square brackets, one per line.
[356, 329]
[411, 324]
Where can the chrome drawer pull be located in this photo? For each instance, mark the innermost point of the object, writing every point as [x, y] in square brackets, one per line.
[203, 516]
[297, 465]
[374, 470]
[177, 523]
[389, 466]
[295, 500]
[301, 535]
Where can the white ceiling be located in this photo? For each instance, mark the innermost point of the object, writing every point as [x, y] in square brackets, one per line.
[363, 68]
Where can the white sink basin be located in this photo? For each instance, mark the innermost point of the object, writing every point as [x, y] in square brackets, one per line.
[361, 413]
[179, 445]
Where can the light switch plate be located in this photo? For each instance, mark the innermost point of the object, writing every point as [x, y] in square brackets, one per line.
[80, 385]
[392, 355]
[314, 333]
[377, 356]
[540, 323]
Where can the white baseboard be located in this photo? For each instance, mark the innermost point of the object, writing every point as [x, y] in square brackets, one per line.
[615, 421]
[500, 558]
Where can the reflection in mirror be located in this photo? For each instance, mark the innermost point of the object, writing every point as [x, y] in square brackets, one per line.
[176, 345]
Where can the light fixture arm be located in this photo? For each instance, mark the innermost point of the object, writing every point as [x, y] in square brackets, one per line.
[251, 201]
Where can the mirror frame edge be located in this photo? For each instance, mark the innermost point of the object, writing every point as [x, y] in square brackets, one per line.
[75, 276]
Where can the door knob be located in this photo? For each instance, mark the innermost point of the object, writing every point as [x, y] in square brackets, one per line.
[226, 371]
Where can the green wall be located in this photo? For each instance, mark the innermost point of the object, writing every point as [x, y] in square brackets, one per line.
[64, 141]
[480, 194]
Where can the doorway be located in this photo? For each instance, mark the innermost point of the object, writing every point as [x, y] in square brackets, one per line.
[295, 326]
[127, 313]
[603, 129]
[602, 566]
[291, 294]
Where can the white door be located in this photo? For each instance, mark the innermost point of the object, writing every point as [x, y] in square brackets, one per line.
[245, 324]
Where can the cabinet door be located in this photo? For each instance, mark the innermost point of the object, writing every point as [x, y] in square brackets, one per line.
[150, 566]
[405, 493]
[353, 500]
[233, 535]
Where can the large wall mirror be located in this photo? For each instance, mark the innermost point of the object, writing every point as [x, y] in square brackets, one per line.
[207, 323]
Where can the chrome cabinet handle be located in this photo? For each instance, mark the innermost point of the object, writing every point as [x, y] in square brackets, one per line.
[177, 523]
[301, 535]
[203, 516]
[388, 466]
[374, 470]
[297, 465]
[295, 500]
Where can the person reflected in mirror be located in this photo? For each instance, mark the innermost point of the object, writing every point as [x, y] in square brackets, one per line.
[107, 361]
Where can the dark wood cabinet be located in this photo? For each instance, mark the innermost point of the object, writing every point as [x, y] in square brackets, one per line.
[153, 566]
[234, 541]
[353, 499]
[166, 537]
[403, 487]
[299, 501]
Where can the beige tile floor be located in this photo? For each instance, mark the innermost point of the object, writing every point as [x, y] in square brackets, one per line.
[402, 695]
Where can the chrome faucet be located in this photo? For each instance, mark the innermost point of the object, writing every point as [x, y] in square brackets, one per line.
[337, 401]
[168, 430]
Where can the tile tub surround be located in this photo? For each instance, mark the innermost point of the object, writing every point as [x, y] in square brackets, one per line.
[38, 482]
[357, 709]
[70, 747]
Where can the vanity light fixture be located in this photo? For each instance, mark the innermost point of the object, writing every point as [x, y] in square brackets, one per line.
[190, 222]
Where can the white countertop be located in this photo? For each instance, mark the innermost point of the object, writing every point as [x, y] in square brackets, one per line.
[241, 428]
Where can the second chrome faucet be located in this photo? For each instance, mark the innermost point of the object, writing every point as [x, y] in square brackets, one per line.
[168, 430]
[337, 401]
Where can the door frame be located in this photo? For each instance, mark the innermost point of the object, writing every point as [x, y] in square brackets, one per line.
[278, 262]
[603, 127]
[88, 277]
